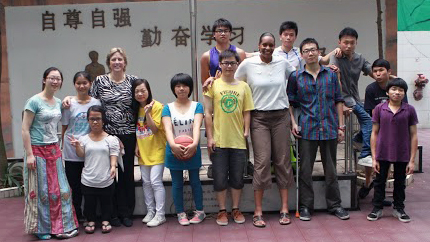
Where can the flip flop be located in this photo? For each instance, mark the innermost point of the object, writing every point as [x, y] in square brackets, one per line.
[284, 219]
[106, 228]
[258, 221]
[89, 229]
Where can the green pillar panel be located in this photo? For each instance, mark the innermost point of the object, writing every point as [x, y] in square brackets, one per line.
[413, 15]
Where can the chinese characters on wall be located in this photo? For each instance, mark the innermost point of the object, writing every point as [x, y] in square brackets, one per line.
[150, 36]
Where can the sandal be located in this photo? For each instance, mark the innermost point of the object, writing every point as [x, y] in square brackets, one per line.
[89, 228]
[106, 228]
[284, 219]
[257, 221]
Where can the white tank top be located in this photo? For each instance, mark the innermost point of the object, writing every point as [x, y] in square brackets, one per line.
[182, 123]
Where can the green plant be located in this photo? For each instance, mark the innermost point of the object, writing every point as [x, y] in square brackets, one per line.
[13, 176]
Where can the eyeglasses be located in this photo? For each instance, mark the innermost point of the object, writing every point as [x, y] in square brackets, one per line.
[51, 78]
[309, 50]
[229, 63]
[96, 119]
[222, 31]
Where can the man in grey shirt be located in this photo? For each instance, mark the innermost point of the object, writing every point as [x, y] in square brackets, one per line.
[351, 64]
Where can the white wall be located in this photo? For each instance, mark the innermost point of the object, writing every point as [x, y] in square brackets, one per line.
[31, 50]
[413, 53]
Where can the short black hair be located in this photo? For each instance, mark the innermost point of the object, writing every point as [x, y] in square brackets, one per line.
[264, 35]
[221, 22]
[288, 25]
[397, 82]
[381, 63]
[182, 78]
[309, 41]
[99, 109]
[83, 74]
[227, 54]
[46, 73]
[348, 31]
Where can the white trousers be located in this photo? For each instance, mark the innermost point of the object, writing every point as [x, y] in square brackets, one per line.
[153, 188]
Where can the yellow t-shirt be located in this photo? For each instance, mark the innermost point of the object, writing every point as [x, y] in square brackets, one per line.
[152, 147]
[229, 102]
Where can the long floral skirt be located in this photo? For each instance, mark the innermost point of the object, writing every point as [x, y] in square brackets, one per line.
[48, 197]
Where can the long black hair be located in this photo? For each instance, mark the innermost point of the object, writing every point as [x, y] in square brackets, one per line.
[135, 105]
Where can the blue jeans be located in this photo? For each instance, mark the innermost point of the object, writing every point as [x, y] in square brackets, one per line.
[178, 189]
[366, 128]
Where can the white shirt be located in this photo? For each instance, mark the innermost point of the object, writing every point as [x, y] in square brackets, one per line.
[293, 56]
[96, 172]
[268, 81]
[76, 119]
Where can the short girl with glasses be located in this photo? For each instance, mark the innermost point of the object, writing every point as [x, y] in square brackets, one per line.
[48, 197]
[100, 151]
[74, 121]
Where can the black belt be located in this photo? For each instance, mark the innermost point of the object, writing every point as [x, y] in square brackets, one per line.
[269, 111]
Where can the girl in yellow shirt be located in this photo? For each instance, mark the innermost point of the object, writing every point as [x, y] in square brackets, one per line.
[150, 149]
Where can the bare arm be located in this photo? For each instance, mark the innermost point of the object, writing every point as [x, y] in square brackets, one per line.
[25, 130]
[241, 53]
[247, 123]
[63, 131]
[208, 103]
[414, 148]
[340, 132]
[177, 150]
[113, 160]
[191, 149]
[373, 139]
[149, 121]
[325, 60]
[204, 67]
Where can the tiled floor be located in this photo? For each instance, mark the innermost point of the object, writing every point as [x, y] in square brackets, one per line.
[323, 227]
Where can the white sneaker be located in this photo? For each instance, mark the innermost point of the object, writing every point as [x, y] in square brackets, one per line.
[149, 216]
[365, 161]
[157, 220]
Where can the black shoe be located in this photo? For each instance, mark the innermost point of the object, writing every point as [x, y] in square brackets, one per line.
[305, 215]
[387, 203]
[115, 222]
[364, 191]
[401, 215]
[375, 214]
[341, 213]
[127, 222]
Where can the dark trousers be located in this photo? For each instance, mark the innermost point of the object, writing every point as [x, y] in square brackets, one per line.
[93, 195]
[308, 150]
[73, 173]
[399, 184]
[124, 199]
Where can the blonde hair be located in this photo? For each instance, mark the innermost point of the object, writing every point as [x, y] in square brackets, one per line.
[112, 52]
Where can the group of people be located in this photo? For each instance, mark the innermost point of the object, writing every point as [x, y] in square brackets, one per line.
[115, 118]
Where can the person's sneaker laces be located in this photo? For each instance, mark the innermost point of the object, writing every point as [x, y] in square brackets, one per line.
[375, 214]
[198, 217]
[149, 216]
[238, 216]
[401, 215]
[222, 218]
[182, 219]
[364, 191]
[157, 220]
[341, 213]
